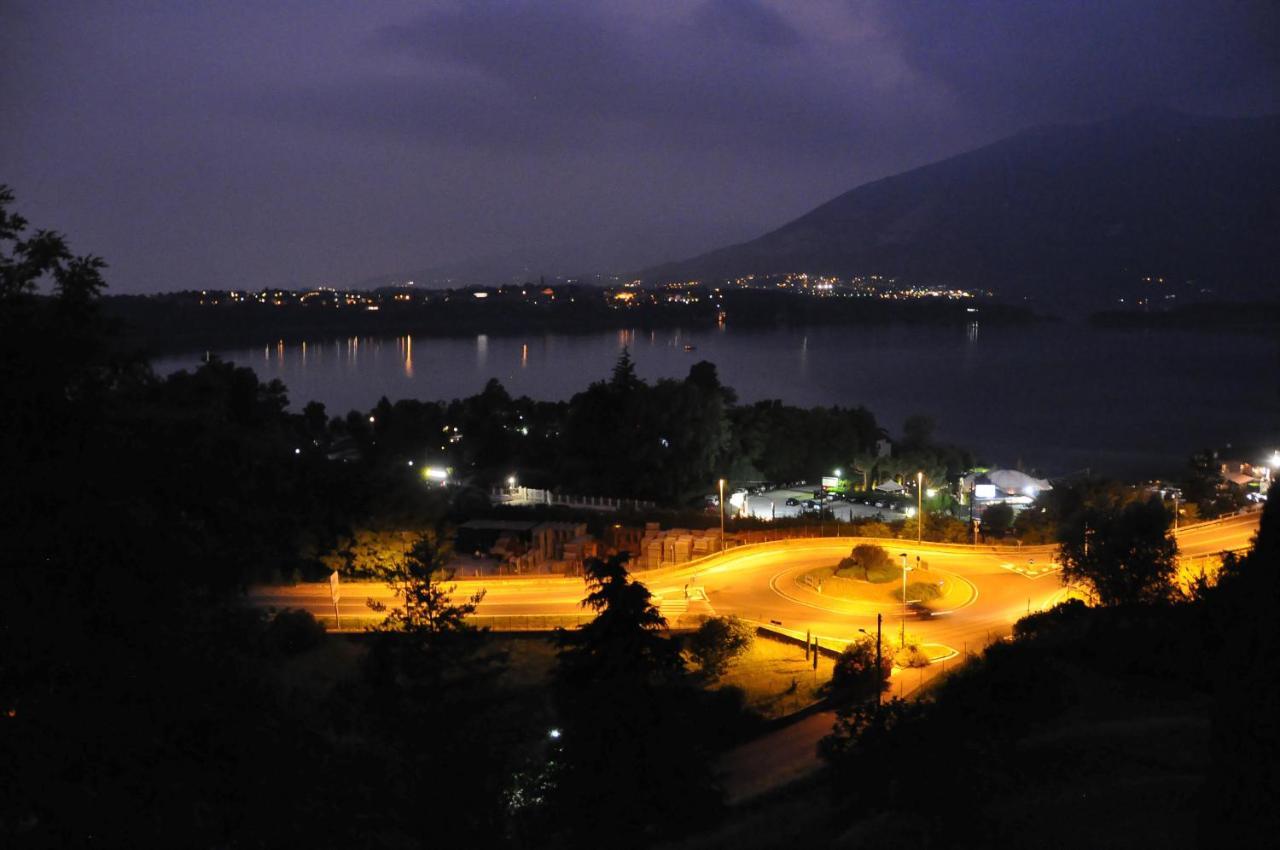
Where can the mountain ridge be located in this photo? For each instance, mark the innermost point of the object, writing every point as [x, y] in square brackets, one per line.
[1094, 208]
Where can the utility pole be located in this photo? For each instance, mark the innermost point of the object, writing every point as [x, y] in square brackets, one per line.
[879, 662]
[879, 657]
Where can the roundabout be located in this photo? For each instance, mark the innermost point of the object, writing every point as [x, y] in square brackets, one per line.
[858, 597]
[987, 589]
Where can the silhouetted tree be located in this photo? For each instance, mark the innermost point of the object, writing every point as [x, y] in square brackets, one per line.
[627, 771]
[855, 675]
[997, 519]
[717, 641]
[1122, 556]
[1244, 770]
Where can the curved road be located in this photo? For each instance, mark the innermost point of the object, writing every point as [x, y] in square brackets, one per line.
[990, 588]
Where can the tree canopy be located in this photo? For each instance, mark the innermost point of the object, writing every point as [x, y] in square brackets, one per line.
[1121, 555]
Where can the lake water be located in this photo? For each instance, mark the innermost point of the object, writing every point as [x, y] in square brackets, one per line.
[1058, 397]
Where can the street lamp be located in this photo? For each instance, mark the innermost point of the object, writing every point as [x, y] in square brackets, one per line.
[722, 514]
[903, 639]
[919, 506]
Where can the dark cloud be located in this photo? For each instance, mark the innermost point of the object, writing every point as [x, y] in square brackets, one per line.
[571, 75]
[747, 22]
[292, 142]
[1078, 60]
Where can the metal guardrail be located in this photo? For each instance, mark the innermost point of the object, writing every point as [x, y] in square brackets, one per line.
[1222, 520]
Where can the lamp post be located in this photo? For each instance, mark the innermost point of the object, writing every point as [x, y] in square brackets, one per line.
[919, 506]
[722, 514]
[1175, 513]
[903, 640]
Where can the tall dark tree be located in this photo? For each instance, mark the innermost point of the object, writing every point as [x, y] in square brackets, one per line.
[1121, 555]
[134, 709]
[427, 703]
[1244, 771]
[997, 519]
[628, 772]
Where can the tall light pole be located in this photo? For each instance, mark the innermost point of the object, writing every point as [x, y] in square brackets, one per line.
[919, 506]
[903, 640]
[722, 514]
[1175, 513]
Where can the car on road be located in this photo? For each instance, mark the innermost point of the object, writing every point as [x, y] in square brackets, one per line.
[920, 611]
[792, 502]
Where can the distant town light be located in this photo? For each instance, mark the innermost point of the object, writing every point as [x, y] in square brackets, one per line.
[511, 481]
[553, 733]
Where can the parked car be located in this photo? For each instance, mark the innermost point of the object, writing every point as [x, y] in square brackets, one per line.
[791, 503]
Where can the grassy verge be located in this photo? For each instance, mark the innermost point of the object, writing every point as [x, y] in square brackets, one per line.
[776, 678]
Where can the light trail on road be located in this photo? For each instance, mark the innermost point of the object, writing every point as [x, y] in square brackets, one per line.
[745, 582]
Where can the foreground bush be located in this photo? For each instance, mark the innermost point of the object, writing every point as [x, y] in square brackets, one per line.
[855, 675]
[717, 642]
[292, 631]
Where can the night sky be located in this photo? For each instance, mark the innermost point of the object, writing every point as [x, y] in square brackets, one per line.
[269, 143]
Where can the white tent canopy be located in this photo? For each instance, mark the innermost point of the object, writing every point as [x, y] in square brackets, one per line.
[1009, 481]
[890, 487]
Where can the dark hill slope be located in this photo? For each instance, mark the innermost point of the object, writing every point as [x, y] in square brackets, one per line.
[1075, 212]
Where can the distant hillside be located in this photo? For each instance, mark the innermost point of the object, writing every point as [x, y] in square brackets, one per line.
[1060, 214]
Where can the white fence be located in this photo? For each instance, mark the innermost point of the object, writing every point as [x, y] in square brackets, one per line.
[527, 496]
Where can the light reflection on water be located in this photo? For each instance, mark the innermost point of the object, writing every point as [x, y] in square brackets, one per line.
[1062, 396]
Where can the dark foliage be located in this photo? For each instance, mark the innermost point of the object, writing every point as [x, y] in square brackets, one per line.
[717, 641]
[1122, 555]
[855, 676]
[630, 766]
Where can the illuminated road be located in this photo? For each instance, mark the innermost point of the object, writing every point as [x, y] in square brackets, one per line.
[760, 583]
[1212, 538]
[989, 589]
